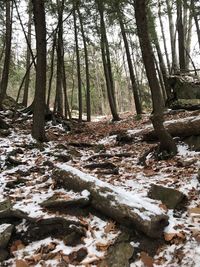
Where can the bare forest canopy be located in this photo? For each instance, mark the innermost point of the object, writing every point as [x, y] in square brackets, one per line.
[83, 58]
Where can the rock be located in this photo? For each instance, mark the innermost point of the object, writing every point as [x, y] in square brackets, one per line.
[57, 203]
[119, 254]
[124, 138]
[64, 157]
[74, 152]
[4, 132]
[3, 125]
[16, 183]
[193, 142]
[5, 234]
[11, 161]
[186, 162]
[48, 163]
[170, 197]
[3, 255]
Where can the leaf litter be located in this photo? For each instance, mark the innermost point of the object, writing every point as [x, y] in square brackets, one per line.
[182, 235]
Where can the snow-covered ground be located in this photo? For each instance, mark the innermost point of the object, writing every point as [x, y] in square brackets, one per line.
[182, 235]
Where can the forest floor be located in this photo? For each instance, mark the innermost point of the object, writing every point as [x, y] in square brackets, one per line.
[26, 182]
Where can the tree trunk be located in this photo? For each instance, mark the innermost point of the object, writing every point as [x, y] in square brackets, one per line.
[181, 37]
[172, 37]
[130, 65]
[87, 72]
[166, 142]
[189, 38]
[80, 104]
[28, 58]
[59, 74]
[51, 70]
[163, 35]
[6, 66]
[38, 128]
[196, 21]
[163, 68]
[124, 207]
[107, 64]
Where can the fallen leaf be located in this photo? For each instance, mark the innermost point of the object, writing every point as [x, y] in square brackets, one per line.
[102, 246]
[21, 263]
[194, 211]
[169, 237]
[146, 259]
[110, 226]
[163, 206]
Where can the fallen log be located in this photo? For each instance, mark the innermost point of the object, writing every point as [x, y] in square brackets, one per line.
[125, 207]
[182, 128]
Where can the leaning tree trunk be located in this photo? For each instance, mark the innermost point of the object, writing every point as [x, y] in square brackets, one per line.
[38, 128]
[6, 66]
[166, 142]
[135, 88]
[126, 208]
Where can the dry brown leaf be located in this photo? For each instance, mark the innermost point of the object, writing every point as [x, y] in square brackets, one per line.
[181, 235]
[149, 172]
[37, 257]
[110, 226]
[102, 247]
[66, 259]
[146, 259]
[163, 206]
[169, 237]
[194, 211]
[16, 245]
[21, 263]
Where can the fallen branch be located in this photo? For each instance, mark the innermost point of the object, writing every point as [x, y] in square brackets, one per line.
[125, 207]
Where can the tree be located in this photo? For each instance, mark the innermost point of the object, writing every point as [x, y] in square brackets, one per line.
[6, 66]
[28, 57]
[78, 62]
[87, 71]
[130, 65]
[107, 62]
[38, 128]
[167, 144]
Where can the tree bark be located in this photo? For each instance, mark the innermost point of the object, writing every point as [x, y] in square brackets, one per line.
[135, 88]
[167, 144]
[196, 20]
[181, 37]
[80, 104]
[38, 128]
[28, 58]
[125, 208]
[106, 63]
[87, 71]
[6, 66]
[172, 37]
